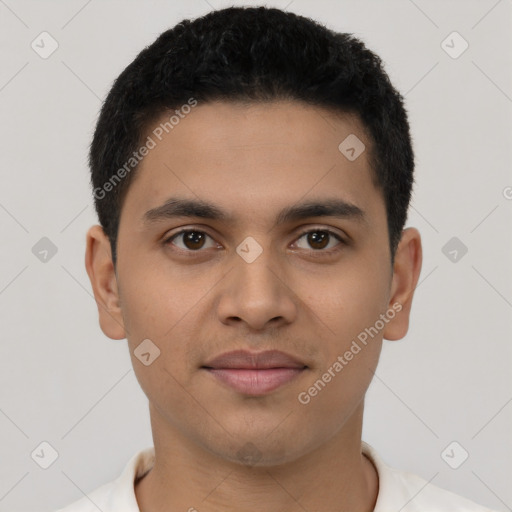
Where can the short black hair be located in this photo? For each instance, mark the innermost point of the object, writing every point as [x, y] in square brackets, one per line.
[251, 54]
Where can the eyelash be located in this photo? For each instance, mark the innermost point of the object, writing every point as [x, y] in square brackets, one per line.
[319, 252]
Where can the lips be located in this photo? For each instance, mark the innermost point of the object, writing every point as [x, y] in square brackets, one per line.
[245, 360]
[255, 374]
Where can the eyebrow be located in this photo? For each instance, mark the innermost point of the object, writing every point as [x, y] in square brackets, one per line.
[183, 207]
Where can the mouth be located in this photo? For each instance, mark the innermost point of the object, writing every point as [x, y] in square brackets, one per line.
[255, 374]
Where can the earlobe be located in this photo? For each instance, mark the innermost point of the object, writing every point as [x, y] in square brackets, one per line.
[100, 268]
[406, 272]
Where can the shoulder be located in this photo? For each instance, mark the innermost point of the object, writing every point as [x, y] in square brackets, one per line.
[407, 492]
[118, 495]
[419, 495]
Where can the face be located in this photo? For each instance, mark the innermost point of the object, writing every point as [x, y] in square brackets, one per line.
[261, 270]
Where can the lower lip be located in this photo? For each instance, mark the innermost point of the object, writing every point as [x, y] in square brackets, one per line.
[255, 382]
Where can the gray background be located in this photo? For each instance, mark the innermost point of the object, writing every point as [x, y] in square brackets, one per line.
[62, 381]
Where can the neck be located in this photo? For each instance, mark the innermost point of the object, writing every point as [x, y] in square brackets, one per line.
[185, 476]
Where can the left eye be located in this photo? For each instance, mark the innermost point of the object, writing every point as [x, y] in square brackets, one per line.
[319, 238]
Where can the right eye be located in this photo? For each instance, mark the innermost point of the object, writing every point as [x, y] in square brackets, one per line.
[192, 240]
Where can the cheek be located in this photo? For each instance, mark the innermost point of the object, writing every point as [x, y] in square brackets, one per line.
[165, 374]
[159, 306]
[153, 301]
[350, 306]
[350, 301]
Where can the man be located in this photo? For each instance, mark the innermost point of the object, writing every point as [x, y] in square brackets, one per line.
[252, 173]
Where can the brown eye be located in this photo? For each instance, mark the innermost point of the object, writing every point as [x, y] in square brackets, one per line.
[319, 239]
[192, 240]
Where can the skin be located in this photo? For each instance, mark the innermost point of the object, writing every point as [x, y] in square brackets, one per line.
[253, 160]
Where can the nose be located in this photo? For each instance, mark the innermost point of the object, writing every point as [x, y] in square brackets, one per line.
[257, 294]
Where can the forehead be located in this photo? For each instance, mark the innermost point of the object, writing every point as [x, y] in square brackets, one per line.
[254, 156]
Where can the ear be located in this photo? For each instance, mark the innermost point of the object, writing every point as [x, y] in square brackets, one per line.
[100, 268]
[406, 272]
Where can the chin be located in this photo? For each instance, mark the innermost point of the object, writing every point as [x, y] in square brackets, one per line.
[258, 450]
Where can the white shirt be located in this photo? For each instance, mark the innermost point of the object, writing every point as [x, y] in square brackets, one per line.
[398, 490]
